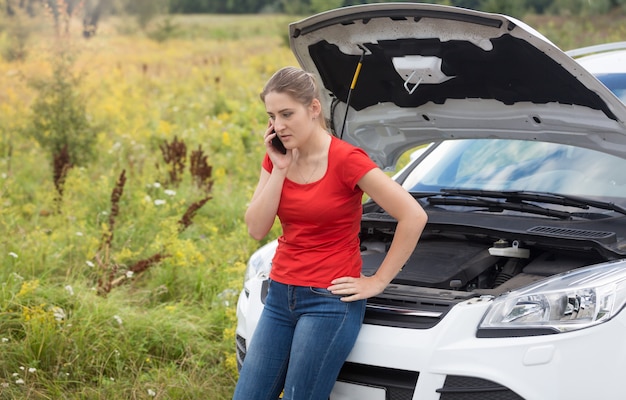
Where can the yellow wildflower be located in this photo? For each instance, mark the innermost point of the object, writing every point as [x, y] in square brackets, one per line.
[226, 139]
[28, 287]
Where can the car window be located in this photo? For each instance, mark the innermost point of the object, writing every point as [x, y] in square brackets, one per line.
[496, 164]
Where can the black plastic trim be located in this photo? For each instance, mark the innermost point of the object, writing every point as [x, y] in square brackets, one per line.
[572, 233]
[457, 387]
[265, 286]
[399, 384]
[493, 333]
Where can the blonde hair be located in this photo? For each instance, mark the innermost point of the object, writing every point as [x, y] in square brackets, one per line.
[298, 84]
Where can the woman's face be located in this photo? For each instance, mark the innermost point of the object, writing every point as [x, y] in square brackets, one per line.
[293, 122]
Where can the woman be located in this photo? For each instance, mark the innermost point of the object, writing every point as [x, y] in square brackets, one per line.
[316, 300]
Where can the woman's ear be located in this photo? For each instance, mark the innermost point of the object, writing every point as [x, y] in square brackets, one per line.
[315, 108]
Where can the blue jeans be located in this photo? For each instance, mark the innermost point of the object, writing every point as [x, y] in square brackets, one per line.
[301, 341]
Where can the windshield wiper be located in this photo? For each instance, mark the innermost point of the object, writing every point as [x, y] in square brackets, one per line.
[492, 205]
[519, 196]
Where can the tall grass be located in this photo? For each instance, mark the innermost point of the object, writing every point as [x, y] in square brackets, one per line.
[166, 331]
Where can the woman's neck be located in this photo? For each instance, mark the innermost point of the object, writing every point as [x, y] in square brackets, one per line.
[316, 145]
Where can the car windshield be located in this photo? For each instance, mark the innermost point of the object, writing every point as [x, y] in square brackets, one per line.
[516, 165]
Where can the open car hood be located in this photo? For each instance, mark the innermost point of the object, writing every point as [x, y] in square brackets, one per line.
[431, 72]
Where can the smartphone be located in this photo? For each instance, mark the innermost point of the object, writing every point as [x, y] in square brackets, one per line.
[278, 145]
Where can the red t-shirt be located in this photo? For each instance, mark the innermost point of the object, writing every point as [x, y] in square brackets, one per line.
[321, 221]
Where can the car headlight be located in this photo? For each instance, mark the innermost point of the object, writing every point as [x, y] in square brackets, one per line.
[566, 302]
[260, 263]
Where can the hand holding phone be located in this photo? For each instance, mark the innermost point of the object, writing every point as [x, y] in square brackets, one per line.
[278, 145]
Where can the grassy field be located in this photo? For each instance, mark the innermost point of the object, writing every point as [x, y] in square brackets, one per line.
[119, 275]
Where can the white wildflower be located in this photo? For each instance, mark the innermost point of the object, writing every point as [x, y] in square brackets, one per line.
[148, 199]
[5, 340]
[17, 276]
[58, 313]
[118, 319]
[32, 370]
[22, 368]
[12, 254]
[151, 393]
[90, 264]
[156, 185]
[69, 290]
[129, 274]
[79, 234]
[4, 385]
[226, 295]
[116, 146]
[170, 192]
[15, 374]
[19, 381]
[159, 202]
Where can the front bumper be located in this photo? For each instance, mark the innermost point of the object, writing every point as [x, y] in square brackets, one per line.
[448, 361]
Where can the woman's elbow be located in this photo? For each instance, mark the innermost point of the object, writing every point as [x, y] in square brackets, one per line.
[422, 218]
[254, 228]
[416, 217]
[256, 235]
[257, 231]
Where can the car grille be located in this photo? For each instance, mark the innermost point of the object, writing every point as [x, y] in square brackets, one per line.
[411, 316]
[404, 306]
[241, 351]
[469, 388]
[399, 384]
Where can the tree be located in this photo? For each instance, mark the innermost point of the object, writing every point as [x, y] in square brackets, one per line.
[324, 5]
[513, 8]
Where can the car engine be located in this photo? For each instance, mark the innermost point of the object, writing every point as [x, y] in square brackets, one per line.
[475, 266]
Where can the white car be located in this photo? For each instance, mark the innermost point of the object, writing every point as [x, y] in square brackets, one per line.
[517, 287]
[607, 62]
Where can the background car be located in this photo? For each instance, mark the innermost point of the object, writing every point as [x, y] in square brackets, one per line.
[517, 286]
[607, 62]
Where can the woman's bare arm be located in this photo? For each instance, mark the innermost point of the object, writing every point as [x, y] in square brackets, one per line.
[411, 222]
[263, 206]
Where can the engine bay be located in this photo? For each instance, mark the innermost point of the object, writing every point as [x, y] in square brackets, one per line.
[481, 267]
